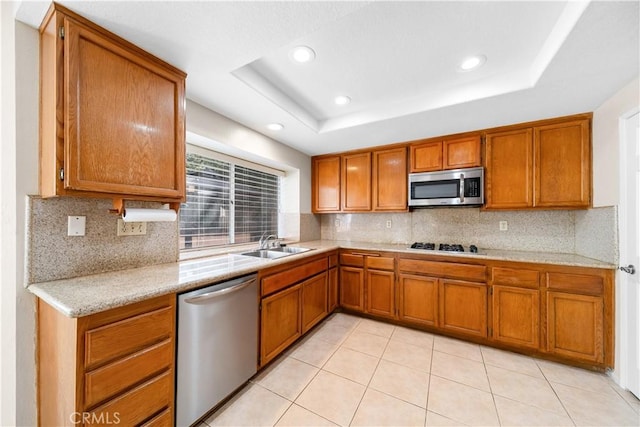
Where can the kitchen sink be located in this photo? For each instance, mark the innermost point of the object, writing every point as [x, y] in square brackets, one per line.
[274, 253]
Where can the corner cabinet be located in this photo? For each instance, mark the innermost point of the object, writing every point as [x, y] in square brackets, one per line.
[112, 119]
[117, 366]
[546, 166]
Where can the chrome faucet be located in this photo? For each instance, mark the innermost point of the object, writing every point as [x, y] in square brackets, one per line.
[264, 241]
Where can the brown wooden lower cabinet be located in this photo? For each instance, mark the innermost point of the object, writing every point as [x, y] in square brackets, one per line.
[314, 301]
[463, 307]
[516, 316]
[332, 279]
[352, 288]
[575, 326]
[280, 322]
[381, 293]
[418, 299]
[113, 367]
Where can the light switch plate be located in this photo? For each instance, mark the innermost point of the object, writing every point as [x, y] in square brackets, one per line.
[131, 228]
[504, 225]
[76, 225]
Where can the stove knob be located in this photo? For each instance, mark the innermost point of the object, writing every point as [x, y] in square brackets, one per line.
[473, 249]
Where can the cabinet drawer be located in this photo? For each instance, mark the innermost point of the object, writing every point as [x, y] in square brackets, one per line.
[137, 405]
[127, 336]
[109, 380]
[333, 260]
[444, 269]
[275, 282]
[163, 419]
[354, 260]
[579, 283]
[380, 262]
[515, 277]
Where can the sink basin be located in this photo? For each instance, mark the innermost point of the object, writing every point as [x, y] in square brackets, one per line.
[274, 253]
[290, 249]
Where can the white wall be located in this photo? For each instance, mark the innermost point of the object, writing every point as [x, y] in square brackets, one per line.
[606, 143]
[19, 155]
[251, 145]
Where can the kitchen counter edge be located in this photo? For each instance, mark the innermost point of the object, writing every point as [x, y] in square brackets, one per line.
[86, 295]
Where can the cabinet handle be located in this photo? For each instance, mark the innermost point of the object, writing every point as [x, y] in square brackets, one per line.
[363, 254]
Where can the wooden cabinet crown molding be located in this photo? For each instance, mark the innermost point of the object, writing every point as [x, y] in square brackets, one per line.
[112, 116]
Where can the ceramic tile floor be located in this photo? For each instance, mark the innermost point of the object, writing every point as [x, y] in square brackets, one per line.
[359, 372]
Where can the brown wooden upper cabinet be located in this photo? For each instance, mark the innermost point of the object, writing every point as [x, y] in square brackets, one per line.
[361, 181]
[356, 182]
[325, 184]
[544, 166]
[437, 154]
[112, 120]
[390, 179]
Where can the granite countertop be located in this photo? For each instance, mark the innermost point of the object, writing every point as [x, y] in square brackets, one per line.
[81, 296]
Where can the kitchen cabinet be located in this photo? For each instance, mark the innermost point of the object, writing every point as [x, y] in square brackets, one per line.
[367, 283]
[515, 303]
[280, 322]
[294, 298]
[390, 179]
[119, 361]
[112, 120]
[450, 296]
[576, 315]
[451, 153]
[418, 299]
[356, 182]
[332, 279]
[325, 184]
[546, 165]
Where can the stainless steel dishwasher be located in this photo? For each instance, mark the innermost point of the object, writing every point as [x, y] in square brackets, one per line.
[217, 345]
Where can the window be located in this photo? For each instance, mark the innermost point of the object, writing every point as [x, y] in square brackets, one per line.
[227, 203]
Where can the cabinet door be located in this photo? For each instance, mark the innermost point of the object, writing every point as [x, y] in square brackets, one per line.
[280, 323]
[333, 288]
[381, 293]
[314, 301]
[426, 157]
[123, 119]
[563, 165]
[326, 184]
[575, 326]
[356, 182]
[352, 288]
[463, 307]
[461, 153]
[516, 316]
[509, 170]
[390, 180]
[419, 299]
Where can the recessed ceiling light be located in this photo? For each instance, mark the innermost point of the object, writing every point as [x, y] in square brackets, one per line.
[342, 100]
[302, 54]
[472, 62]
[275, 126]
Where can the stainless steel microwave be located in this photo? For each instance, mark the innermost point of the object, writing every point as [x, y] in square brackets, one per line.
[456, 187]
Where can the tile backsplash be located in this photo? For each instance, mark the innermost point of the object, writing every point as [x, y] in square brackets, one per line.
[52, 255]
[558, 231]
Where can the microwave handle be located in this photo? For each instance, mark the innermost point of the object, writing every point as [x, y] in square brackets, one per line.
[461, 188]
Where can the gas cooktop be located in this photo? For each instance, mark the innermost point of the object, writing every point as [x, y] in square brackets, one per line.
[445, 247]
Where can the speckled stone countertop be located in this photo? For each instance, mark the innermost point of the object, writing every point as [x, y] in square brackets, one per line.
[81, 296]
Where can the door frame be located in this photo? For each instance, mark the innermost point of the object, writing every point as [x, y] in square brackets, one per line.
[622, 278]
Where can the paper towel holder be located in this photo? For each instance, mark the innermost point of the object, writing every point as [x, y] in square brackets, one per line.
[118, 206]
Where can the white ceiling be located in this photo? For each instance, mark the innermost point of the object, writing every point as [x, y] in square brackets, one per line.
[398, 61]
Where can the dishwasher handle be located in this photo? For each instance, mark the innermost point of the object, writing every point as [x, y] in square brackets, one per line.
[204, 298]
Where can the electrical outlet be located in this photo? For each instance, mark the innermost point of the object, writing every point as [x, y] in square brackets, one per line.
[131, 228]
[336, 223]
[76, 225]
[504, 225]
[388, 223]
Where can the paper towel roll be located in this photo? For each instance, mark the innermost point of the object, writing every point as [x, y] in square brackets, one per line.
[149, 215]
